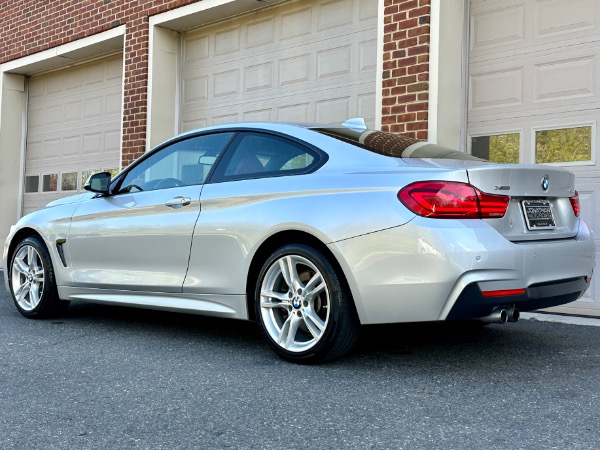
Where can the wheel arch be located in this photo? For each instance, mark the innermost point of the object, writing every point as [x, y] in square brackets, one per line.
[21, 234]
[279, 240]
[48, 302]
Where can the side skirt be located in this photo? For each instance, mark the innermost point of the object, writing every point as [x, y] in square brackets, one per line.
[218, 305]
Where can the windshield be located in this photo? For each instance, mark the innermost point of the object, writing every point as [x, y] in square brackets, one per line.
[395, 145]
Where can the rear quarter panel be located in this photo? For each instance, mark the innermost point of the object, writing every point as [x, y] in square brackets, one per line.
[237, 217]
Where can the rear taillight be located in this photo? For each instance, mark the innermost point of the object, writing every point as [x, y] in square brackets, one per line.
[575, 203]
[452, 200]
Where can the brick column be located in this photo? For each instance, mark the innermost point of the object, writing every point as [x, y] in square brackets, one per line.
[135, 90]
[406, 67]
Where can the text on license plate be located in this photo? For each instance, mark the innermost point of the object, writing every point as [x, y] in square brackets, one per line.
[538, 214]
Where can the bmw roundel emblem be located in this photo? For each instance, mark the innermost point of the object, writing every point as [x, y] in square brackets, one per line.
[296, 303]
[545, 183]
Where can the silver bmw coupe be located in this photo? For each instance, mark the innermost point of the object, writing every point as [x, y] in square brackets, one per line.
[311, 231]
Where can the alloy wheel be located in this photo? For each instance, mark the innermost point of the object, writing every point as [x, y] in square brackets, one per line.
[27, 278]
[294, 303]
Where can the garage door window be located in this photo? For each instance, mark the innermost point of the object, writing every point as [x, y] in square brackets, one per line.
[32, 184]
[564, 145]
[50, 182]
[68, 181]
[498, 148]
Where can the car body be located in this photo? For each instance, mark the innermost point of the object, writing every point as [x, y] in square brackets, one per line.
[311, 230]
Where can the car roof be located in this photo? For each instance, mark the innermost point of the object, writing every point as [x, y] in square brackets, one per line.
[268, 126]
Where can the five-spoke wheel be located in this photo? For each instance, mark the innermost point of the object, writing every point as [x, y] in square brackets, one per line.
[294, 302]
[27, 277]
[32, 282]
[303, 306]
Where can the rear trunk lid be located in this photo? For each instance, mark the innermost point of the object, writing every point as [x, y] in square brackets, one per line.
[539, 205]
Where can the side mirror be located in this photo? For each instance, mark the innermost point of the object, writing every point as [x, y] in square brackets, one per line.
[98, 182]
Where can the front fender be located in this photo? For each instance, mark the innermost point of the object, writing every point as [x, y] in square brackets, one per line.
[50, 224]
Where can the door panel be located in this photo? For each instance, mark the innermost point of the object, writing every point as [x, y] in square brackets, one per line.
[134, 241]
[140, 238]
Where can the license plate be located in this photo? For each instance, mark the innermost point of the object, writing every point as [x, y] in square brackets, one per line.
[538, 214]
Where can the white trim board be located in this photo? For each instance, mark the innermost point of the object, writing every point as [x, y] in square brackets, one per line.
[206, 12]
[68, 54]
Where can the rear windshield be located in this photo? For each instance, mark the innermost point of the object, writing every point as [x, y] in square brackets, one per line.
[394, 145]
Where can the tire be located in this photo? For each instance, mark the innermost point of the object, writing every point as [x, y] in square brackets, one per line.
[303, 308]
[32, 281]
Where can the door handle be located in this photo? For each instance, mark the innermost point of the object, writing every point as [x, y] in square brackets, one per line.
[178, 202]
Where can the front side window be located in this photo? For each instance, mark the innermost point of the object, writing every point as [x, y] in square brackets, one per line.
[256, 155]
[183, 163]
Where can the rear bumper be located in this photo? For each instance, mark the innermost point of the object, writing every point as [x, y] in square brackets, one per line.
[471, 304]
[429, 270]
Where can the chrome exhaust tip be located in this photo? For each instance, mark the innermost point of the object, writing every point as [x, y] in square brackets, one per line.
[513, 314]
[499, 315]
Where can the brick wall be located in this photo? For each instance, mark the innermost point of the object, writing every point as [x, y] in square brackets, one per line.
[406, 67]
[31, 26]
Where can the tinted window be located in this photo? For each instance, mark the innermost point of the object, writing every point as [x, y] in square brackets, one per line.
[254, 155]
[395, 145]
[183, 163]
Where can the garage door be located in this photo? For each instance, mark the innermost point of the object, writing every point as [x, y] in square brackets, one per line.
[73, 128]
[304, 61]
[534, 94]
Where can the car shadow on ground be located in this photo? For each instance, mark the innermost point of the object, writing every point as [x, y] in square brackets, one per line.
[163, 323]
[421, 344]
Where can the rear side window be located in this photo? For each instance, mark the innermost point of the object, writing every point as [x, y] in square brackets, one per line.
[394, 145]
[258, 155]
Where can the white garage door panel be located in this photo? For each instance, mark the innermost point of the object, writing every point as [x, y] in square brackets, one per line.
[534, 64]
[74, 124]
[548, 82]
[306, 61]
[513, 27]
